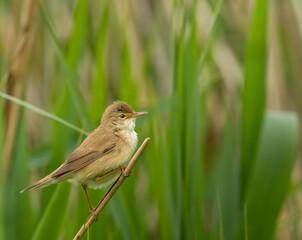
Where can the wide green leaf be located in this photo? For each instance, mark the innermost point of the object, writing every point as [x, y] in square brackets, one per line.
[271, 182]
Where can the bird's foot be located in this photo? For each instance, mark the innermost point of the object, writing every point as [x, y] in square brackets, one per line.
[124, 174]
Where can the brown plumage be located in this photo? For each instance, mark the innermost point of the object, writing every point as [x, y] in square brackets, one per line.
[99, 159]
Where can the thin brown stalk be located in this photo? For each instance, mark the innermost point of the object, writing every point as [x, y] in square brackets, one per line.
[112, 190]
[14, 80]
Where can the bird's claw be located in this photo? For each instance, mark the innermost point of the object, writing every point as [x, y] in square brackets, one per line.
[124, 174]
[92, 211]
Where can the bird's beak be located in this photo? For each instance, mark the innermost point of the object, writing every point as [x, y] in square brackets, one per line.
[135, 115]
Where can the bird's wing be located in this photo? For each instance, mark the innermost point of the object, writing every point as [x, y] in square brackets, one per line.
[94, 147]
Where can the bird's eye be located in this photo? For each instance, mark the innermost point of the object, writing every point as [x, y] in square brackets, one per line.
[122, 115]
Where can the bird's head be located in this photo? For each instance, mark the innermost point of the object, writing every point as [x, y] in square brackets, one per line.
[120, 116]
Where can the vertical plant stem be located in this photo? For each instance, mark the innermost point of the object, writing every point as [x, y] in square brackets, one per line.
[14, 80]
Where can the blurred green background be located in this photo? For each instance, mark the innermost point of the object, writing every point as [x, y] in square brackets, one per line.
[221, 81]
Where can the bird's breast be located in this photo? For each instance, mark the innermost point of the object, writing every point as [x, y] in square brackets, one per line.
[131, 138]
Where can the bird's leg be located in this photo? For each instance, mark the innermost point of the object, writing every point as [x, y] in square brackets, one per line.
[124, 174]
[91, 209]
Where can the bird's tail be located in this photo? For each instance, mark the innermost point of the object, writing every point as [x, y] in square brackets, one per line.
[48, 180]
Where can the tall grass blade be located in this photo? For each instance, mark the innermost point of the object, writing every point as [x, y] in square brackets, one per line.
[175, 132]
[16, 205]
[52, 223]
[70, 76]
[220, 216]
[209, 42]
[77, 39]
[193, 65]
[42, 112]
[245, 223]
[1, 178]
[160, 182]
[226, 175]
[254, 92]
[99, 83]
[127, 87]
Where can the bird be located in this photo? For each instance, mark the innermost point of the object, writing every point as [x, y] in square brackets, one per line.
[102, 156]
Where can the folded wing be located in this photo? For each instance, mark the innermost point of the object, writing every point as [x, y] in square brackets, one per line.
[95, 146]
